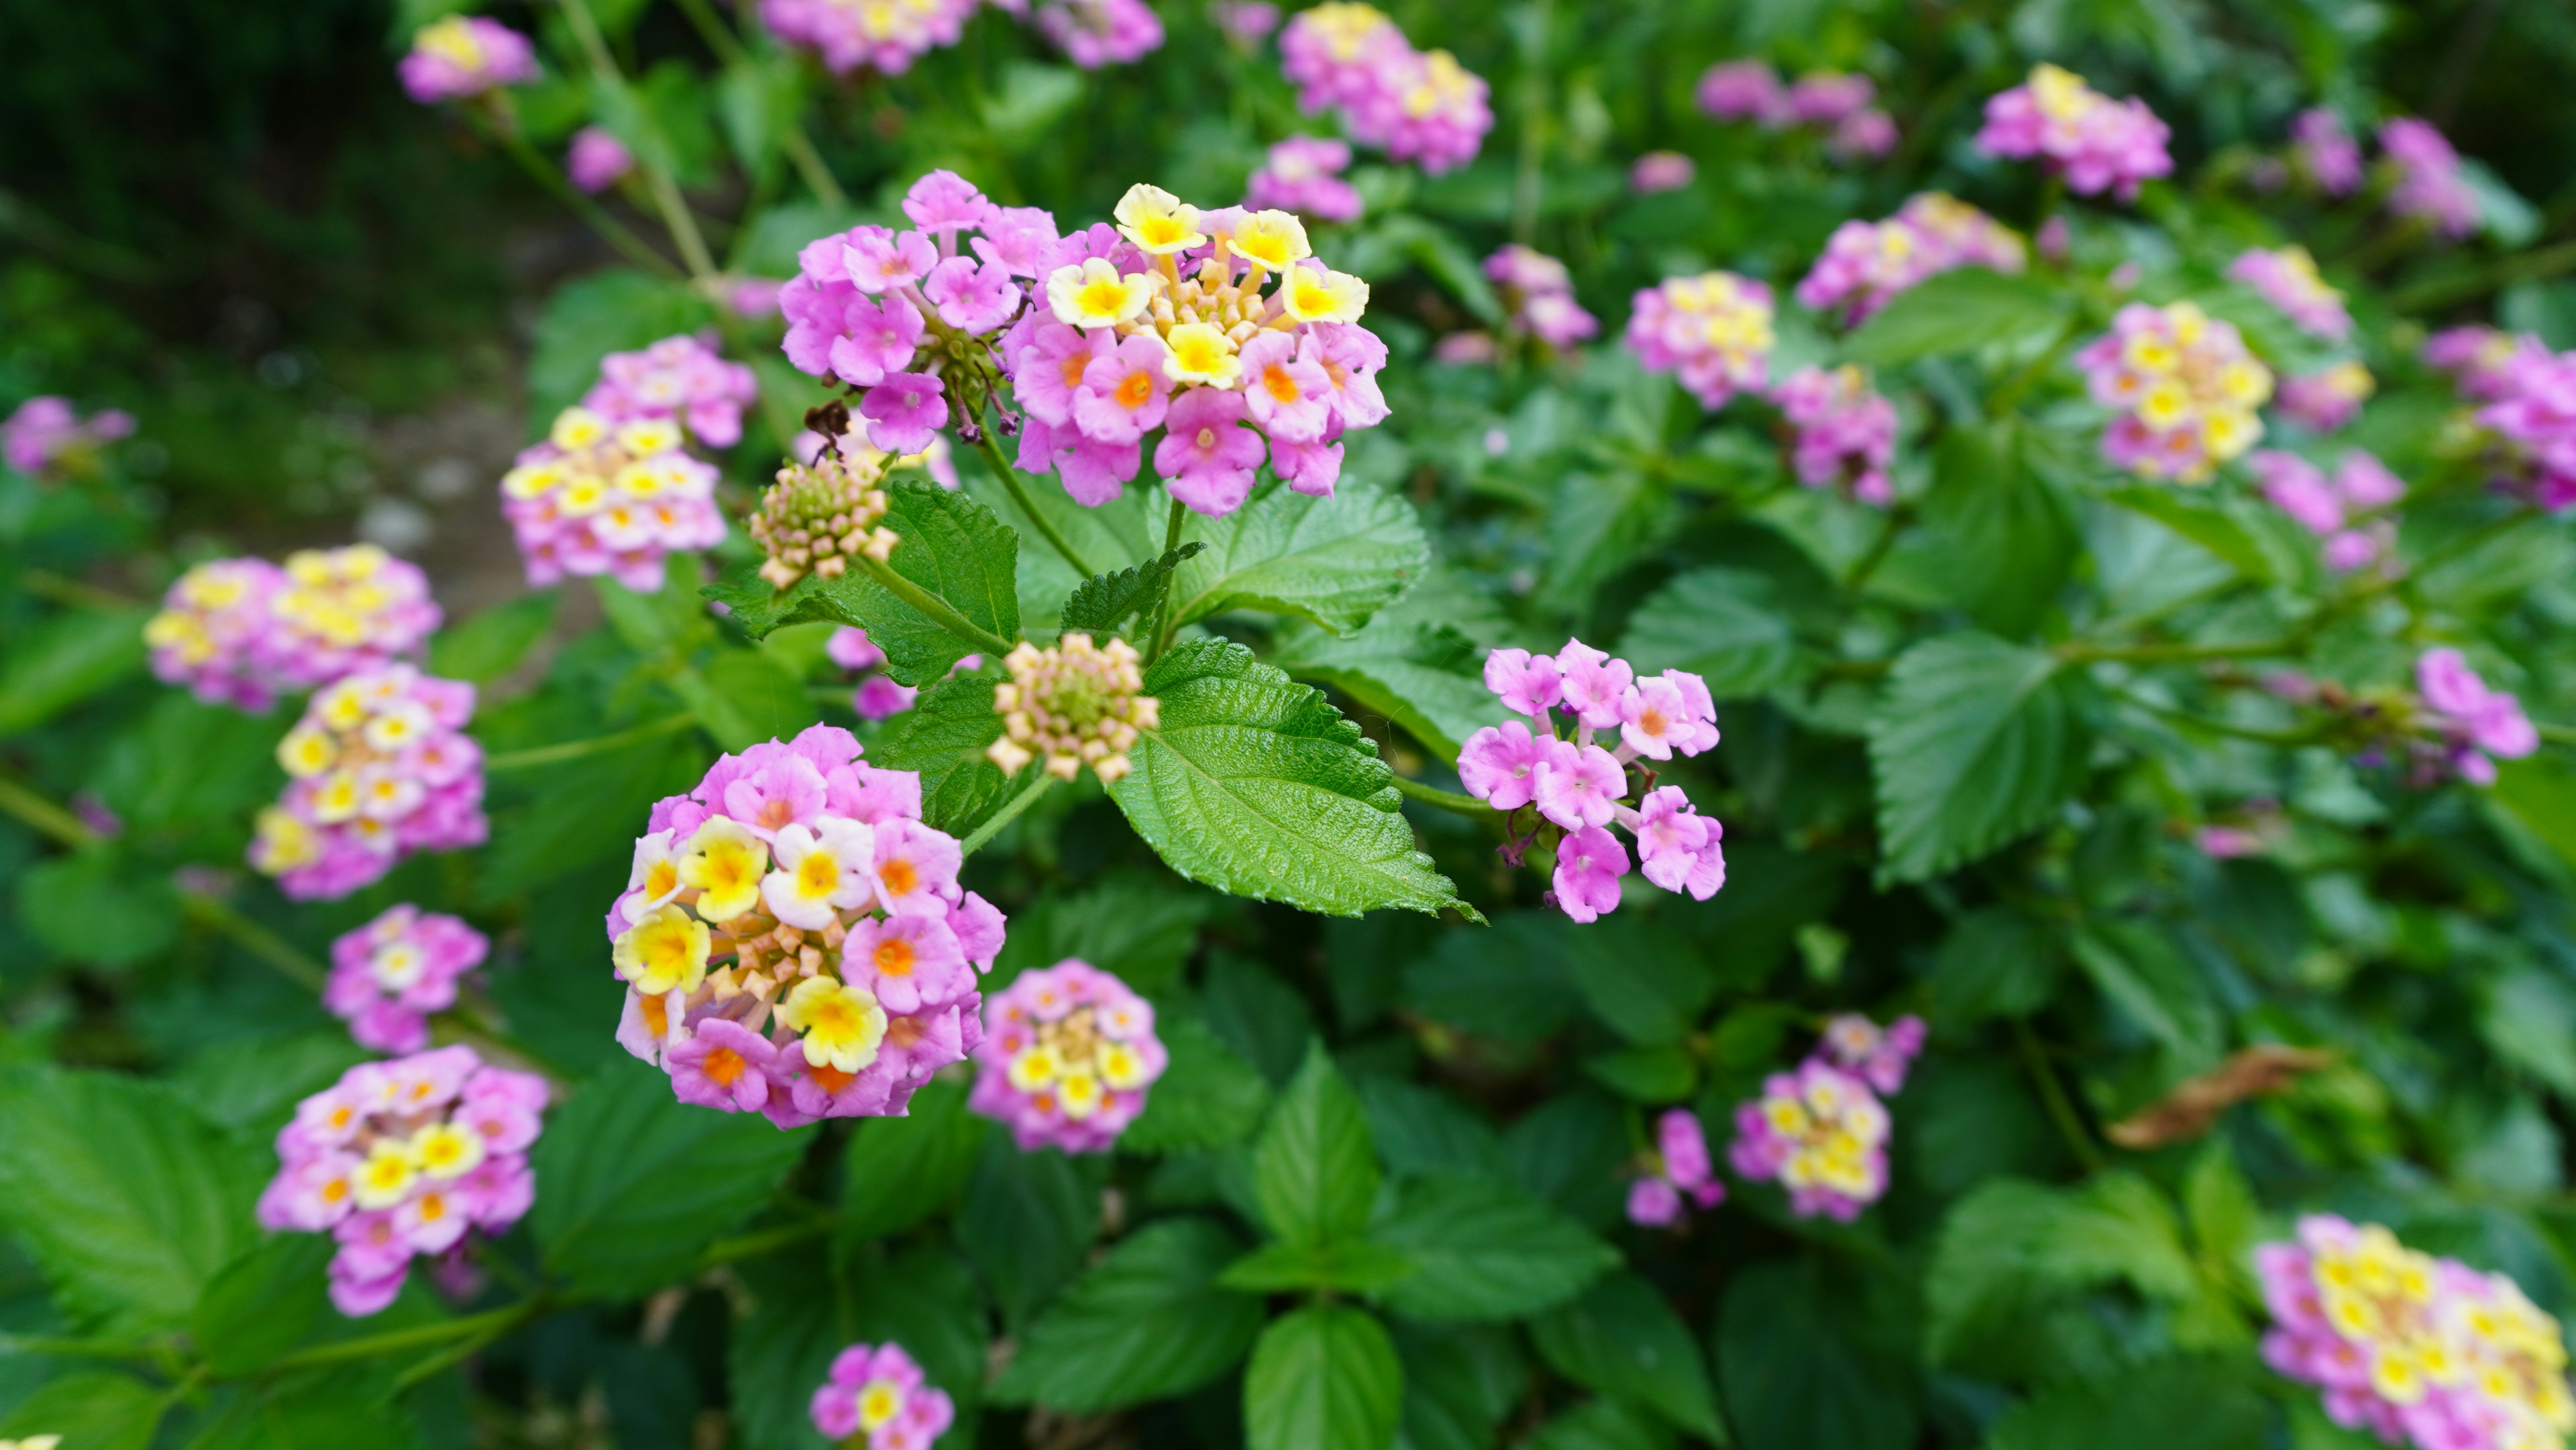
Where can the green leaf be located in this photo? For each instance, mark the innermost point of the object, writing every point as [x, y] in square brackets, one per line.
[637, 1184]
[100, 906]
[1105, 601]
[1333, 561]
[254, 1085]
[1422, 676]
[2540, 793]
[743, 698]
[1146, 1323]
[1421, 1129]
[1726, 625]
[1803, 1369]
[1028, 1220]
[1984, 1276]
[262, 1303]
[1355, 1266]
[1315, 1171]
[1623, 1340]
[491, 644]
[1975, 743]
[759, 607]
[91, 1410]
[959, 553]
[1458, 1384]
[55, 665]
[1323, 1378]
[585, 810]
[943, 737]
[1994, 963]
[1483, 1250]
[127, 1200]
[1996, 537]
[2149, 979]
[1963, 311]
[1641, 978]
[616, 310]
[1208, 1097]
[792, 1321]
[2205, 1405]
[1513, 982]
[1254, 785]
[899, 1171]
[1138, 924]
[2206, 522]
[2530, 1021]
[314, 1415]
[1604, 1425]
[1662, 1074]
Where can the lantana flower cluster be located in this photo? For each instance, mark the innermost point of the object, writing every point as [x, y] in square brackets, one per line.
[1866, 264]
[404, 1158]
[678, 378]
[1677, 1171]
[2327, 504]
[2325, 400]
[2430, 184]
[1417, 106]
[2096, 143]
[1096, 33]
[2533, 412]
[1659, 171]
[602, 497]
[1072, 704]
[900, 315]
[1068, 1054]
[1303, 174]
[794, 940]
[2414, 1348]
[379, 767]
[885, 36]
[1839, 101]
[2475, 724]
[2185, 387]
[461, 56]
[1579, 789]
[389, 975]
[1219, 327]
[877, 697]
[46, 431]
[1539, 293]
[877, 1396]
[2288, 279]
[816, 517]
[244, 631]
[2325, 152]
[1845, 431]
[1712, 330]
[1820, 1129]
[2486, 364]
[595, 161]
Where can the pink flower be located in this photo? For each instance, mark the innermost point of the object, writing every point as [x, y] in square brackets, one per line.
[879, 1389]
[1679, 1166]
[1661, 171]
[387, 976]
[905, 412]
[1829, 96]
[876, 338]
[1303, 174]
[1713, 331]
[2096, 143]
[1659, 716]
[1589, 863]
[1527, 684]
[1577, 786]
[1593, 683]
[1123, 392]
[878, 260]
[465, 55]
[724, 1066]
[1207, 457]
[1285, 388]
[852, 36]
[1498, 764]
[943, 203]
[972, 297]
[1308, 468]
[1067, 1056]
[1054, 368]
[908, 962]
[1677, 848]
[1846, 433]
[878, 697]
[1095, 33]
[1879, 1055]
[1864, 135]
[1821, 1133]
[916, 868]
[2430, 182]
[1743, 90]
[597, 160]
[2326, 151]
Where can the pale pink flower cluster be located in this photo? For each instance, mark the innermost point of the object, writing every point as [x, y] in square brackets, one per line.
[2416, 1349]
[681, 378]
[2096, 143]
[1245, 22]
[793, 938]
[2288, 279]
[876, 1395]
[1303, 174]
[404, 1158]
[2325, 400]
[1867, 263]
[1580, 789]
[2185, 387]
[1819, 1132]
[378, 767]
[2326, 505]
[2477, 725]
[2534, 412]
[1678, 1171]
[886, 36]
[599, 497]
[891, 312]
[44, 431]
[1068, 1054]
[1164, 322]
[597, 160]
[1417, 106]
[2430, 184]
[465, 55]
[2485, 363]
[2326, 152]
[1713, 330]
[1096, 33]
[878, 697]
[1750, 90]
[243, 631]
[1659, 171]
[389, 975]
[1540, 294]
[1881, 1056]
[1845, 431]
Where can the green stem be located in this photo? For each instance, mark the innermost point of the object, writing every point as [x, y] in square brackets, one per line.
[2079, 653]
[418, 1337]
[46, 584]
[753, 1245]
[1530, 175]
[2288, 739]
[2445, 291]
[1010, 811]
[939, 611]
[2009, 396]
[657, 181]
[992, 449]
[1157, 636]
[44, 816]
[1447, 800]
[799, 147]
[259, 941]
[595, 745]
[2556, 734]
[58, 1347]
[593, 215]
[2052, 1096]
[1898, 515]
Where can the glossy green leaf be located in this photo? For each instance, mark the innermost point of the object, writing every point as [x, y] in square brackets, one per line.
[1314, 1168]
[91, 1410]
[1960, 311]
[1106, 601]
[1148, 1321]
[1324, 1377]
[1209, 1097]
[943, 738]
[1356, 1266]
[1976, 742]
[899, 1171]
[1484, 1250]
[1623, 1340]
[50, 667]
[1805, 1368]
[1726, 626]
[1028, 1219]
[488, 645]
[1333, 561]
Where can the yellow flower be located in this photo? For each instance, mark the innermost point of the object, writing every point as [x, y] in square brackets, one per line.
[451, 40]
[531, 480]
[2150, 352]
[1093, 294]
[1200, 353]
[2395, 1377]
[842, 1024]
[1079, 1093]
[1034, 1069]
[444, 1150]
[284, 843]
[647, 436]
[1158, 221]
[386, 1175]
[33, 1442]
[341, 707]
[336, 798]
[879, 1401]
[2247, 382]
[576, 429]
[1317, 294]
[307, 752]
[726, 863]
[2060, 94]
[665, 952]
[2227, 432]
[1272, 239]
[583, 494]
[1122, 1066]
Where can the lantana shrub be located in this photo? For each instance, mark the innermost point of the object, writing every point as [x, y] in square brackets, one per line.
[1312, 726]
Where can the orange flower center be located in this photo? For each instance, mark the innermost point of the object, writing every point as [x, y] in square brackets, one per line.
[1138, 386]
[893, 957]
[899, 878]
[1281, 386]
[722, 1066]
